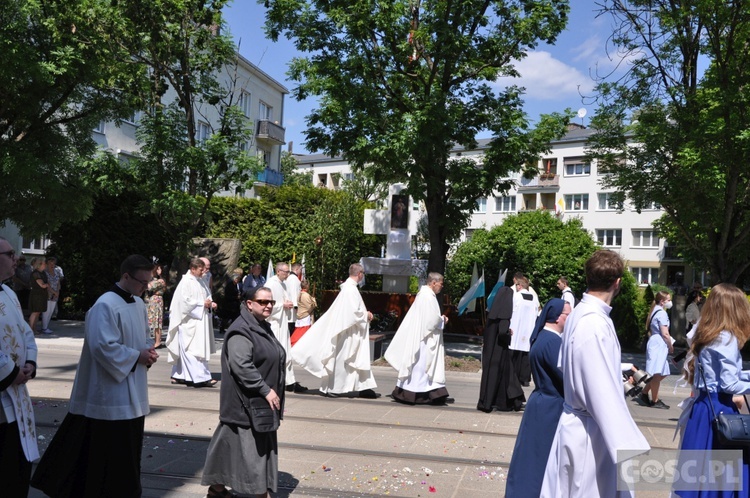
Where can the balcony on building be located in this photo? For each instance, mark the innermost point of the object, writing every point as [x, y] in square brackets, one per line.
[543, 182]
[270, 131]
[270, 177]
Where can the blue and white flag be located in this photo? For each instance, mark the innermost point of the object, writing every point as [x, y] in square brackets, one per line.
[500, 283]
[475, 291]
[472, 306]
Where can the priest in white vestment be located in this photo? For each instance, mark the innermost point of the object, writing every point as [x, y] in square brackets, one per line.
[596, 431]
[97, 448]
[18, 353]
[417, 351]
[190, 338]
[280, 319]
[337, 347]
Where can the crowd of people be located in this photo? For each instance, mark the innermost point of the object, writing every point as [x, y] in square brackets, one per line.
[576, 415]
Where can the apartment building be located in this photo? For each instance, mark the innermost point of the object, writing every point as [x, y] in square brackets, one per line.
[260, 97]
[567, 186]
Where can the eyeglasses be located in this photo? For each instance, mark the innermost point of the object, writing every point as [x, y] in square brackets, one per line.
[283, 271]
[10, 254]
[265, 302]
[142, 282]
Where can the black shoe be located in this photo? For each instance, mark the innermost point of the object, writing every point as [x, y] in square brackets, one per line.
[295, 388]
[368, 394]
[643, 400]
[450, 401]
[660, 404]
[329, 395]
[208, 383]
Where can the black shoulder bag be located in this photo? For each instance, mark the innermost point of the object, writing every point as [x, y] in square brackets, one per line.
[731, 429]
[644, 345]
[262, 417]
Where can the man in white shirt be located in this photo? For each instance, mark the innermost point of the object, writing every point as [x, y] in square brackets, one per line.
[190, 338]
[97, 449]
[18, 353]
[337, 347]
[281, 314]
[567, 293]
[596, 431]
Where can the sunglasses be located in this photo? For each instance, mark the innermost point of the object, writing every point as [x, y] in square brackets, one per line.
[265, 302]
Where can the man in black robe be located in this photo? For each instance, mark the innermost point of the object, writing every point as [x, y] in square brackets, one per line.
[500, 389]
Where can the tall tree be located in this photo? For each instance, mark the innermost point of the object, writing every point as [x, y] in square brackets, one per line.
[194, 77]
[673, 135]
[60, 74]
[401, 82]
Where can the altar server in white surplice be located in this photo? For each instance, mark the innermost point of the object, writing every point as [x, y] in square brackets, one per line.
[596, 431]
[417, 350]
[190, 339]
[337, 347]
[280, 317]
[17, 366]
[97, 449]
[522, 323]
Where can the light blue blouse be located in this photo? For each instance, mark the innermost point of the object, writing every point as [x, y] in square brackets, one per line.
[723, 356]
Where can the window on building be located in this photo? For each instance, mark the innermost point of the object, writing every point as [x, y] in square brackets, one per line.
[645, 276]
[481, 205]
[246, 103]
[468, 232]
[134, 118]
[575, 166]
[608, 203]
[265, 112]
[322, 180]
[99, 127]
[549, 166]
[203, 132]
[34, 244]
[577, 202]
[609, 237]
[265, 156]
[505, 204]
[645, 238]
[652, 206]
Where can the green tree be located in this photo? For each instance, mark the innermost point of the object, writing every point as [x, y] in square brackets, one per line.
[323, 225]
[180, 166]
[364, 188]
[60, 75]
[671, 135]
[535, 243]
[400, 83]
[291, 175]
[543, 248]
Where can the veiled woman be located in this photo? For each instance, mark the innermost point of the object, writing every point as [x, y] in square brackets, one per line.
[243, 453]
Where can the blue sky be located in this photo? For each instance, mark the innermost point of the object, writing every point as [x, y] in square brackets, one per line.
[555, 77]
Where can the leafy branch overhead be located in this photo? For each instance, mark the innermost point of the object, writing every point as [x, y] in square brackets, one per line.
[401, 83]
[676, 136]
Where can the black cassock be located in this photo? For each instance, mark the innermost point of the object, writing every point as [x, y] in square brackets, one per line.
[500, 388]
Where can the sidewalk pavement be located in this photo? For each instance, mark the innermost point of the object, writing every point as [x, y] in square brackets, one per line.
[328, 447]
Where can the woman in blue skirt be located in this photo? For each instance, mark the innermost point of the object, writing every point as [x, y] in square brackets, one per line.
[722, 331]
[658, 348]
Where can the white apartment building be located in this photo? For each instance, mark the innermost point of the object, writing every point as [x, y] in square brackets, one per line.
[566, 186]
[262, 100]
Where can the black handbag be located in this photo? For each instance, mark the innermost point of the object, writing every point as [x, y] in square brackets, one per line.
[731, 429]
[263, 418]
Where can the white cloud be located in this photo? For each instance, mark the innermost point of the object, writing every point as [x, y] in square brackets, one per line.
[547, 78]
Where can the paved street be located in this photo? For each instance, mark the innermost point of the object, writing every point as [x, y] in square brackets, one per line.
[328, 447]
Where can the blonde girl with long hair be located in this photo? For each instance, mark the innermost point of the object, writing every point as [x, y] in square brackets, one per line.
[658, 349]
[723, 329]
